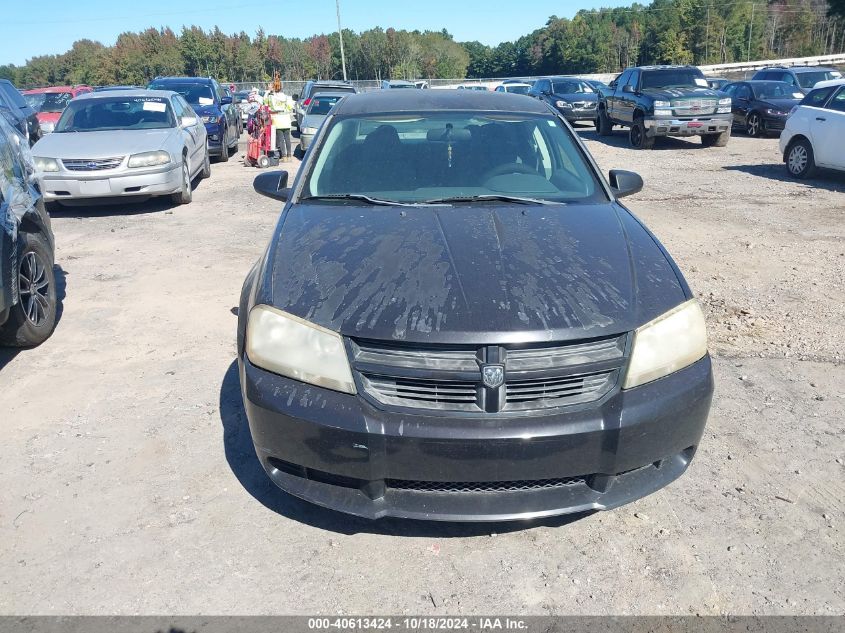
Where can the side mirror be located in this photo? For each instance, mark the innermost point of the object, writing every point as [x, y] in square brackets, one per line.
[189, 121]
[625, 183]
[628, 88]
[273, 184]
[225, 100]
[296, 96]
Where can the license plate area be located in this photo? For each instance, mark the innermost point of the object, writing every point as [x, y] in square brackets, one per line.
[94, 187]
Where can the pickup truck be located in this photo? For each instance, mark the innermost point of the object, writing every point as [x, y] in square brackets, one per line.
[657, 101]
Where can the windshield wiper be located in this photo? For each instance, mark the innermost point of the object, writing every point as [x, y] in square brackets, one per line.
[488, 197]
[360, 197]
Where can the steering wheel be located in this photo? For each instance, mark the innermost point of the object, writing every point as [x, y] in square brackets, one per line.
[508, 168]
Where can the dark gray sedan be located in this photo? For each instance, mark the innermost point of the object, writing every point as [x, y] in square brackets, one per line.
[457, 319]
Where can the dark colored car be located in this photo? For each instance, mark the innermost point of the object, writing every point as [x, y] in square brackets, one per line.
[655, 101]
[574, 98]
[456, 319]
[762, 107]
[530, 82]
[596, 85]
[213, 104]
[18, 112]
[311, 88]
[27, 280]
[801, 77]
[717, 83]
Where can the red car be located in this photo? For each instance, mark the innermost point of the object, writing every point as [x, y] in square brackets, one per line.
[49, 103]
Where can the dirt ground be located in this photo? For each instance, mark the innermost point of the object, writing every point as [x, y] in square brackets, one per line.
[130, 486]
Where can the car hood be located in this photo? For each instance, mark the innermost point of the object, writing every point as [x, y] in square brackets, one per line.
[784, 105]
[578, 96]
[105, 144]
[207, 110]
[313, 120]
[681, 93]
[469, 274]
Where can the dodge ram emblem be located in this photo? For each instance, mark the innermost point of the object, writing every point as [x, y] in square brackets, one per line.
[493, 375]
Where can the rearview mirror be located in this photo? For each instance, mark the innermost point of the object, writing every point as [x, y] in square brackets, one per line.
[225, 100]
[625, 183]
[273, 184]
[189, 121]
[628, 88]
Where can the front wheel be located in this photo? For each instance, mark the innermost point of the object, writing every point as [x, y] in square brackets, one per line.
[753, 125]
[33, 317]
[205, 172]
[603, 124]
[638, 138]
[224, 147]
[800, 160]
[185, 194]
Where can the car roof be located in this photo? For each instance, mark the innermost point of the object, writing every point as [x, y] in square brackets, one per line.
[132, 92]
[331, 82]
[516, 83]
[387, 101]
[798, 69]
[830, 82]
[663, 67]
[331, 94]
[49, 89]
[182, 80]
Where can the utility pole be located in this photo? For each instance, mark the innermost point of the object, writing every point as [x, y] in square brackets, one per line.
[340, 34]
[707, 38]
[750, 30]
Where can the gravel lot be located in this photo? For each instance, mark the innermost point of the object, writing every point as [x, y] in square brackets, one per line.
[130, 485]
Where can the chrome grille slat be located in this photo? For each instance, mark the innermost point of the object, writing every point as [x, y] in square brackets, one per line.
[92, 164]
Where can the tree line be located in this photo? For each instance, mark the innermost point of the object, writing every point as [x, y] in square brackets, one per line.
[605, 40]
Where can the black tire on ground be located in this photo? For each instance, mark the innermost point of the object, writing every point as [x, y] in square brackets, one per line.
[32, 319]
[800, 160]
[186, 194]
[205, 172]
[224, 147]
[754, 125]
[716, 140]
[603, 125]
[637, 136]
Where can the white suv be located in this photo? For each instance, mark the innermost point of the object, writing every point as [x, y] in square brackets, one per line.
[815, 132]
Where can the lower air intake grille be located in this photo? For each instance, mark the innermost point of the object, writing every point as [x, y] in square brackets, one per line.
[483, 486]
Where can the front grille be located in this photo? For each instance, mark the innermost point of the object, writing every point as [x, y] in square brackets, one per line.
[483, 486]
[449, 378]
[92, 164]
[691, 107]
[584, 105]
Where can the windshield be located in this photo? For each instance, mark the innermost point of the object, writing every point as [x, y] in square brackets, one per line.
[195, 94]
[570, 87]
[55, 101]
[776, 90]
[674, 78]
[520, 90]
[810, 79]
[426, 156]
[321, 104]
[397, 86]
[34, 101]
[116, 113]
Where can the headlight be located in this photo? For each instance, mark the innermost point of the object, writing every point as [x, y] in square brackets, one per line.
[309, 130]
[563, 104]
[774, 112]
[662, 104]
[149, 159]
[209, 118]
[662, 112]
[46, 164]
[292, 347]
[48, 127]
[723, 109]
[668, 343]
[726, 101]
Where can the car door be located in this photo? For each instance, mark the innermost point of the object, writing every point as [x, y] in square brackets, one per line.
[828, 130]
[613, 97]
[628, 99]
[741, 103]
[730, 90]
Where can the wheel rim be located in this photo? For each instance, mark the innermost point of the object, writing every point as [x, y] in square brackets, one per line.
[34, 288]
[753, 125]
[798, 159]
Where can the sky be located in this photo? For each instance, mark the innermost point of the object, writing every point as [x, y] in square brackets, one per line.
[58, 23]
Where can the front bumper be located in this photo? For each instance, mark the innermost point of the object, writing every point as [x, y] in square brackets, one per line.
[580, 114]
[66, 185]
[338, 451]
[305, 140]
[713, 124]
[774, 123]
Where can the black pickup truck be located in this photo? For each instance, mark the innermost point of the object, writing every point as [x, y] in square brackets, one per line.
[657, 101]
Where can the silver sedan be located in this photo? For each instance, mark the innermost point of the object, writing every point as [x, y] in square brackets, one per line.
[123, 144]
[315, 114]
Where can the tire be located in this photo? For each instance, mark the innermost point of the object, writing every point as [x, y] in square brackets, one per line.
[637, 136]
[32, 319]
[754, 125]
[186, 194]
[205, 172]
[716, 140]
[224, 146]
[800, 161]
[603, 124]
[237, 136]
[263, 162]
